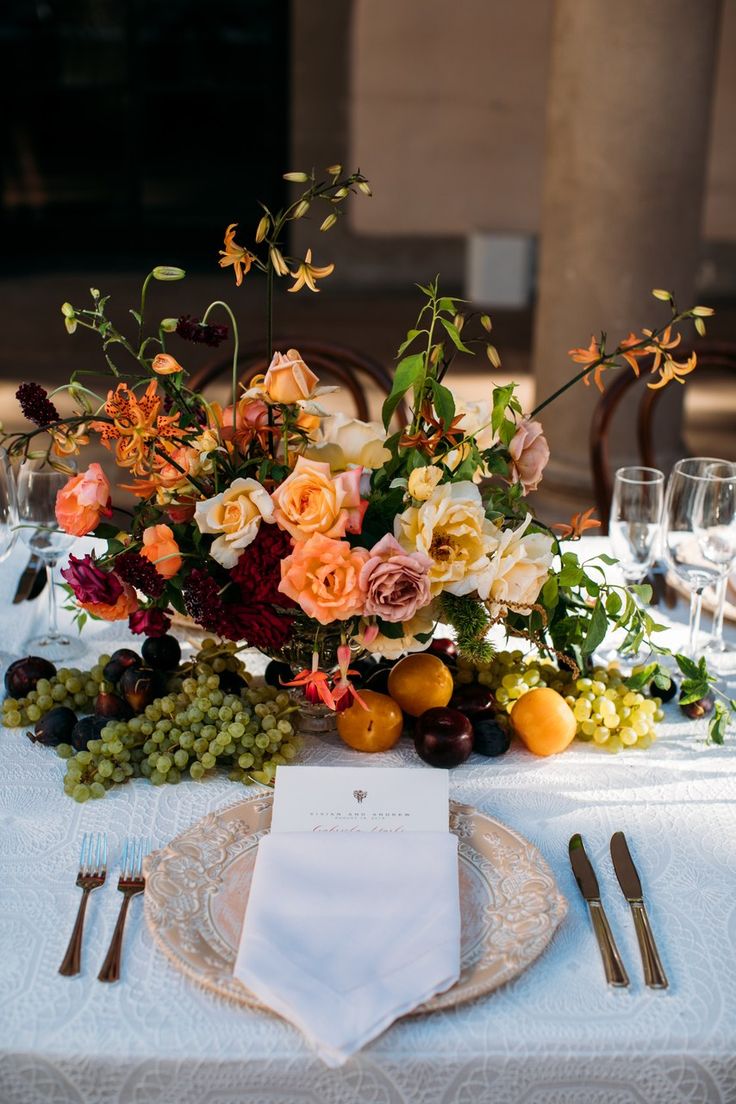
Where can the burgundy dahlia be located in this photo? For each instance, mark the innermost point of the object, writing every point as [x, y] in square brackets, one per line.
[35, 403]
[140, 573]
[201, 333]
[90, 584]
[254, 622]
[152, 622]
[258, 571]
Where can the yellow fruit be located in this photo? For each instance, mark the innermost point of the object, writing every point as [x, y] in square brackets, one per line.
[376, 728]
[544, 721]
[420, 682]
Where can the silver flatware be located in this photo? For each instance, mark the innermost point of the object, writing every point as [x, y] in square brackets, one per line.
[130, 883]
[29, 579]
[588, 886]
[92, 871]
[628, 879]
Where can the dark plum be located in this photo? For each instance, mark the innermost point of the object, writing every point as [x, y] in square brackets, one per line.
[700, 708]
[112, 706]
[445, 649]
[276, 674]
[89, 728]
[377, 679]
[231, 682]
[489, 738]
[663, 695]
[162, 653]
[121, 660]
[55, 727]
[22, 676]
[473, 699]
[443, 737]
[140, 686]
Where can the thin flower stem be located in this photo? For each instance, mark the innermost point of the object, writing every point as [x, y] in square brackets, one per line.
[144, 289]
[236, 342]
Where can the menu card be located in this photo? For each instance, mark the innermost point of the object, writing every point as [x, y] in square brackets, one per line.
[360, 799]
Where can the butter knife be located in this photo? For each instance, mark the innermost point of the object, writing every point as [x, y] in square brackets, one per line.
[29, 578]
[588, 886]
[628, 879]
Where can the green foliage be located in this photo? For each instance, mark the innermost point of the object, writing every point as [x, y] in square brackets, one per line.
[470, 620]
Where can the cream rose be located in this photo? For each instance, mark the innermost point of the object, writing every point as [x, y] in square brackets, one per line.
[235, 515]
[519, 569]
[348, 441]
[389, 647]
[288, 379]
[423, 481]
[313, 500]
[452, 530]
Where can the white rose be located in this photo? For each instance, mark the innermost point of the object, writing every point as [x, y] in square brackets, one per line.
[235, 515]
[423, 481]
[394, 648]
[519, 569]
[476, 419]
[359, 443]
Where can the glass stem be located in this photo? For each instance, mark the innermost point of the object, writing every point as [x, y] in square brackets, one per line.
[696, 606]
[719, 614]
[53, 626]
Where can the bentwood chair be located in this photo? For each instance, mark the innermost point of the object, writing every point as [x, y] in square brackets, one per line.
[718, 355]
[334, 364]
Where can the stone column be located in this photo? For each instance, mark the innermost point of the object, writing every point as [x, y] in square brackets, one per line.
[628, 116]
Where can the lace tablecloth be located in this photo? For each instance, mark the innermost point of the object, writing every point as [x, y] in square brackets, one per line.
[556, 1035]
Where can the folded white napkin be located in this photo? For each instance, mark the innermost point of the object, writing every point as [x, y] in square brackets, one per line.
[346, 931]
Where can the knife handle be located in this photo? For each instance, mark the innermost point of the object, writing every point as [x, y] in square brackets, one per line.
[654, 975]
[612, 963]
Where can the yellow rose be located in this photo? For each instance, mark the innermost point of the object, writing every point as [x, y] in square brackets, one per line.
[313, 500]
[288, 380]
[389, 647]
[423, 481]
[235, 515]
[519, 569]
[452, 529]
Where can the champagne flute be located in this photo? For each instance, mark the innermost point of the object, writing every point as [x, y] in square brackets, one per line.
[699, 514]
[635, 528]
[38, 486]
[8, 520]
[716, 528]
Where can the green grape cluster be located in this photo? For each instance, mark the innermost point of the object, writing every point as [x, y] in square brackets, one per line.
[190, 731]
[607, 712]
[69, 686]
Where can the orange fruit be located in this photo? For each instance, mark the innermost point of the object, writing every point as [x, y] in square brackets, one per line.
[376, 728]
[544, 721]
[419, 682]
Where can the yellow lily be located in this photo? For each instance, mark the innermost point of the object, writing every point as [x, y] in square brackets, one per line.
[307, 273]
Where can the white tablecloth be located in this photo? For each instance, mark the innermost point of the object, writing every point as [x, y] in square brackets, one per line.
[557, 1035]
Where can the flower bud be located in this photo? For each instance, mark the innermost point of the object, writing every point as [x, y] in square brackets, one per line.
[700, 326]
[67, 310]
[329, 222]
[278, 262]
[71, 325]
[296, 177]
[492, 354]
[341, 193]
[702, 312]
[168, 325]
[660, 293]
[262, 228]
[301, 209]
[334, 170]
[165, 365]
[95, 293]
[485, 321]
[168, 272]
[458, 322]
[365, 187]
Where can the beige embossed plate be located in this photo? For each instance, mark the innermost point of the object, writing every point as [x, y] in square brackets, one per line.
[197, 889]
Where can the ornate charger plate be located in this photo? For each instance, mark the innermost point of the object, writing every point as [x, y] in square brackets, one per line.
[197, 889]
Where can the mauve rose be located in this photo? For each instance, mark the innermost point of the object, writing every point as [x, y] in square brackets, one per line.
[529, 453]
[152, 622]
[90, 584]
[396, 582]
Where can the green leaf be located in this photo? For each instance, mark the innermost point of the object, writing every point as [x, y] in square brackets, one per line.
[642, 678]
[136, 315]
[394, 630]
[550, 593]
[643, 592]
[444, 403]
[689, 667]
[610, 560]
[408, 373]
[106, 531]
[454, 335]
[446, 303]
[597, 629]
[411, 335]
[718, 724]
[613, 603]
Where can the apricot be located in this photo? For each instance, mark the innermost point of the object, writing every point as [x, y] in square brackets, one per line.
[543, 721]
[376, 728]
[420, 682]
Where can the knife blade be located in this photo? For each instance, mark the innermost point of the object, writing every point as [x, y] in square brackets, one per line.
[588, 886]
[628, 879]
[29, 578]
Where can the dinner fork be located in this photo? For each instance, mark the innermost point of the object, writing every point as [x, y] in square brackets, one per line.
[92, 870]
[130, 883]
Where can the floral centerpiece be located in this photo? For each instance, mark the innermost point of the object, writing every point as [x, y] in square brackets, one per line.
[312, 536]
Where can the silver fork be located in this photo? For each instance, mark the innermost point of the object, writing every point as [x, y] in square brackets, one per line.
[130, 883]
[92, 871]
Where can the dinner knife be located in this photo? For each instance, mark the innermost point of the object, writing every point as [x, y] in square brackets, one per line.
[588, 886]
[628, 879]
[28, 579]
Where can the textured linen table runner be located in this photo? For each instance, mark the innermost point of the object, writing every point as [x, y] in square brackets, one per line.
[346, 931]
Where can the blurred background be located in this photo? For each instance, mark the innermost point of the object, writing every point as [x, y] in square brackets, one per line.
[553, 160]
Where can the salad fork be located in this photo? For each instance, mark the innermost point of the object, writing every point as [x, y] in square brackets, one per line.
[92, 871]
[130, 883]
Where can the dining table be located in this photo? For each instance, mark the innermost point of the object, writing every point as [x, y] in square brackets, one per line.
[555, 1034]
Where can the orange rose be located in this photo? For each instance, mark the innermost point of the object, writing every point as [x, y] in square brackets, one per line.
[161, 549]
[312, 500]
[165, 365]
[126, 604]
[323, 576]
[83, 501]
[288, 380]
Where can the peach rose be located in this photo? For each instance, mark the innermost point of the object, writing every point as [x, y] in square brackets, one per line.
[161, 549]
[288, 380]
[529, 453]
[119, 610]
[83, 501]
[165, 365]
[234, 516]
[323, 576]
[312, 500]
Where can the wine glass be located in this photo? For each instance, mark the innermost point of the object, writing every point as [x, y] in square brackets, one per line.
[635, 528]
[38, 486]
[8, 520]
[700, 537]
[716, 529]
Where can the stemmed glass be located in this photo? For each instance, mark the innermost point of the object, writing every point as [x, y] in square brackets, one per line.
[700, 528]
[716, 528]
[38, 486]
[8, 520]
[635, 528]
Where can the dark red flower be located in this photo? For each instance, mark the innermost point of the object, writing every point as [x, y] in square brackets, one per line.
[254, 622]
[140, 573]
[90, 584]
[152, 622]
[201, 333]
[35, 403]
[258, 571]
